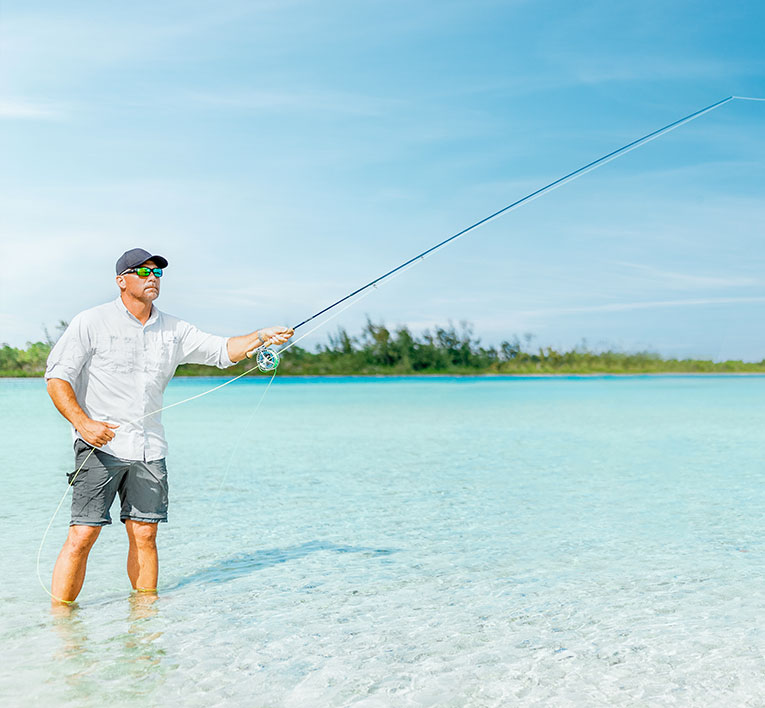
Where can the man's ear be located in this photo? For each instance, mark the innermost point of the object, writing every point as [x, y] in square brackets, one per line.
[121, 282]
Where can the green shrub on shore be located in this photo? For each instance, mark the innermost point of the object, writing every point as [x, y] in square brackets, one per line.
[444, 350]
[24, 362]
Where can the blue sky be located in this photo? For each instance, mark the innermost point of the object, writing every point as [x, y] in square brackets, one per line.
[280, 154]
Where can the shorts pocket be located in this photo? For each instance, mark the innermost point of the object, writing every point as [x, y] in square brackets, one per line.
[83, 454]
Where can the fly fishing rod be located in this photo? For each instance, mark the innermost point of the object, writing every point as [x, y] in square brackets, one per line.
[268, 358]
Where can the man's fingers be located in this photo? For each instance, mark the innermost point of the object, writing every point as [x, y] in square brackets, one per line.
[275, 335]
[104, 433]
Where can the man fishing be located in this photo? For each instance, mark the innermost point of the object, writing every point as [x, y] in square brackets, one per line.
[106, 376]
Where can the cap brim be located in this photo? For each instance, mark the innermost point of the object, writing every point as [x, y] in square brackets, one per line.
[159, 260]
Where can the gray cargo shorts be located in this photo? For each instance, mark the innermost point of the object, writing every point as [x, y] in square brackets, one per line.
[142, 487]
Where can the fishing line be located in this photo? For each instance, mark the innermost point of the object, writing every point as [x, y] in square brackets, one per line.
[555, 184]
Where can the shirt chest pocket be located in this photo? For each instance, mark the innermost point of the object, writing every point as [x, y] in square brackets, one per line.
[116, 352]
[163, 353]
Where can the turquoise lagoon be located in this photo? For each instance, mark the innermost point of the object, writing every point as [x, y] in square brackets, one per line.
[410, 542]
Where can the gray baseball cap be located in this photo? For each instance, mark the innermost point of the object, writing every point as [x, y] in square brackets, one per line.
[134, 257]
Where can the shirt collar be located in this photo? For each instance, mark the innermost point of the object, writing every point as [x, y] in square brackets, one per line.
[152, 317]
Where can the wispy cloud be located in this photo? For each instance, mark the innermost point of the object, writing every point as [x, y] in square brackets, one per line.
[652, 305]
[643, 67]
[300, 100]
[689, 281]
[54, 49]
[19, 109]
[630, 55]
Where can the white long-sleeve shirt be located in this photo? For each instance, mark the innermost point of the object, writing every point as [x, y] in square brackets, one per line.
[119, 369]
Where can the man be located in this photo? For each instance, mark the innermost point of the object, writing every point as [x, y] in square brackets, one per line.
[106, 373]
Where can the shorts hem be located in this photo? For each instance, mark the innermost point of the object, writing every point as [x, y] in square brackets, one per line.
[83, 522]
[145, 519]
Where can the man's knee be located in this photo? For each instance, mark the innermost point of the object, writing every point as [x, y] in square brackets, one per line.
[81, 538]
[142, 533]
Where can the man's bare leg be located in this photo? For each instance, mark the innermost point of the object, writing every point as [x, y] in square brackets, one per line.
[69, 571]
[142, 561]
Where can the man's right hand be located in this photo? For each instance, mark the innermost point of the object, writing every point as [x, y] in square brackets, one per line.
[96, 433]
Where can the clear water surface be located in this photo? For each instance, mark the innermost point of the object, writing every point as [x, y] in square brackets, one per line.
[411, 542]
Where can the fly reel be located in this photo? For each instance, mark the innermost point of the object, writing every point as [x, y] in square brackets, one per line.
[267, 359]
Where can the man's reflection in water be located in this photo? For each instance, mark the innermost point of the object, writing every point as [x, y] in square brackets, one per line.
[142, 633]
[69, 626]
[133, 654]
[76, 659]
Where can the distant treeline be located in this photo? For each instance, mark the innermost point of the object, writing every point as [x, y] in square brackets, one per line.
[444, 350]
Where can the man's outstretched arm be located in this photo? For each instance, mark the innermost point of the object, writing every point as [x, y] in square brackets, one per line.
[92, 431]
[238, 347]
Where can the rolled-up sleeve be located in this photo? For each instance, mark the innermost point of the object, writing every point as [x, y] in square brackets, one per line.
[199, 347]
[70, 353]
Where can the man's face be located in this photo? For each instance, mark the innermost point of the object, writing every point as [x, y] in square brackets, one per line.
[144, 289]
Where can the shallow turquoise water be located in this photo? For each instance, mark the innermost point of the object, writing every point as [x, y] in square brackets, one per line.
[417, 542]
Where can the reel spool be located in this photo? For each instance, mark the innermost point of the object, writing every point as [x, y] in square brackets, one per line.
[267, 359]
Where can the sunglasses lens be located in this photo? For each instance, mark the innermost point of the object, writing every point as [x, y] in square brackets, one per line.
[143, 272]
[158, 272]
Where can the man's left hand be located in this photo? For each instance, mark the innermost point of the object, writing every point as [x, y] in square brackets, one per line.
[271, 336]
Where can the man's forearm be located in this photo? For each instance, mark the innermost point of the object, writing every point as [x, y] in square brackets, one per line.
[62, 395]
[93, 432]
[239, 346]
